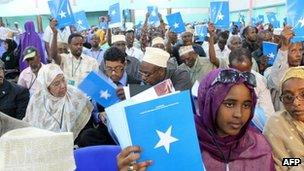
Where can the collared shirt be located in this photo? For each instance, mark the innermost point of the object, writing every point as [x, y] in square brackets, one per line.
[62, 35]
[218, 52]
[135, 52]
[75, 70]
[28, 80]
[97, 54]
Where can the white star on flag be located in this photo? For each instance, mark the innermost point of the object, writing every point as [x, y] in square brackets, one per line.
[153, 13]
[176, 25]
[62, 14]
[220, 16]
[79, 22]
[270, 55]
[165, 139]
[301, 21]
[113, 12]
[104, 94]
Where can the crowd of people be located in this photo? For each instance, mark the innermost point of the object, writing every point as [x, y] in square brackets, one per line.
[249, 116]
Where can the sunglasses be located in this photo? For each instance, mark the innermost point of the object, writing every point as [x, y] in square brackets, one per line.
[232, 76]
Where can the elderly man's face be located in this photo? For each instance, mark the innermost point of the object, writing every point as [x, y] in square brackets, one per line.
[235, 43]
[160, 46]
[151, 74]
[120, 45]
[34, 63]
[189, 59]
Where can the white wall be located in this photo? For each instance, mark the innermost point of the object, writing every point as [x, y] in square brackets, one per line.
[237, 5]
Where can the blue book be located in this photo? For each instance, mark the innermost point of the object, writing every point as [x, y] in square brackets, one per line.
[261, 18]
[295, 18]
[164, 128]
[273, 20]
[114, 15]
[270, 50]
[99, 89]
[219, 12]
[153, 18]
[64, 13]
[176, 23]
[81, 21]
[201, 32]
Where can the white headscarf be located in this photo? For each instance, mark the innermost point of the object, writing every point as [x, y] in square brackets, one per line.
[60, 114]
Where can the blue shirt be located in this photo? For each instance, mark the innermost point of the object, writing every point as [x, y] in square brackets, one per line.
[98, 55]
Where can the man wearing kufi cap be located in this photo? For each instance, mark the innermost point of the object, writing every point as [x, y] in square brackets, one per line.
[132, 64]
[28, 76]
[158, 42]
[187, 39]
[197, 67]
[13, 98]
[154, 69]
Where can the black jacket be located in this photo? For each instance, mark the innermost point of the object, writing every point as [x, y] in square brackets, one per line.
[13, 99]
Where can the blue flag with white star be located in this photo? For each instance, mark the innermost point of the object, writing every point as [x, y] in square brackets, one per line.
[201, 32]
[176, 23]
[53, 8]
[219, 14]
[270, 50]
[115, 15]
[153, 18]
[127, 15]
[272, 19]
[64, 14]
[295, 18]
[171, 142]
[81, 21]
[99, 89]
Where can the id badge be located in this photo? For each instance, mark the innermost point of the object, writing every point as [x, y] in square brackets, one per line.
[71, 82]
[7, 58]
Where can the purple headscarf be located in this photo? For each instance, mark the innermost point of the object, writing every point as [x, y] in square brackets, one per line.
[30, 38]
[210, 97]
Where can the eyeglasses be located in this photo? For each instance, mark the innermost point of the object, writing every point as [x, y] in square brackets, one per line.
[117, 69]
[232, 76]
[289, 98]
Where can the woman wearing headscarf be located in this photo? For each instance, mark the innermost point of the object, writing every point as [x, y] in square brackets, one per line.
[285, 129]
[10, 59]
[57, 106]
[30, 38]
[226, 101]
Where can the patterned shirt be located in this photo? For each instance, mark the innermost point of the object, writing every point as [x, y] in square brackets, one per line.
[75, 70]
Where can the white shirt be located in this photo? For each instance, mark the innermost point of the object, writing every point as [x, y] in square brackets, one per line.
[135, 52]
[264, 98]
[62, 35]
[28, 80]
[274, 75]
[218, 52]
[3, 33]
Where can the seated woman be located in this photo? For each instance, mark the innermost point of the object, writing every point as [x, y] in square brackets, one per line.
[226, 101]
[10, 59]
[57, 106]
[285, 129]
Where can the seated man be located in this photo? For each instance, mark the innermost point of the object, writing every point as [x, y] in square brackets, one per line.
[153, 70]
[28, 76]
[13, 98]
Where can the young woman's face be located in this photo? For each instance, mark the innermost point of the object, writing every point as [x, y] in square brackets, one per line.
[234, 111]
[292, 97]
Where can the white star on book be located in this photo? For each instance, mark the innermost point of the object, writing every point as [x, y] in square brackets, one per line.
[79, 22]
[62, 14]
[220, 16]
[176, 25]
[301, 21]
[113, 12]
[270, 55]
[165, 139]
[105, 94]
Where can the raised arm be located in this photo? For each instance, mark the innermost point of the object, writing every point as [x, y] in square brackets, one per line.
[54, 48]
[212, 56]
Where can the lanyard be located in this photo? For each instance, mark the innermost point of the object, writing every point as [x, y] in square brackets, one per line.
[32, 82]
[61, 117]
[73, 72]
